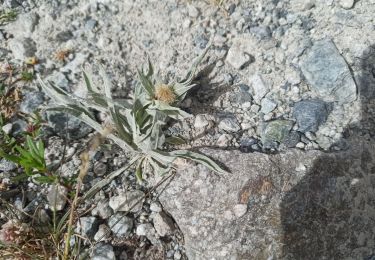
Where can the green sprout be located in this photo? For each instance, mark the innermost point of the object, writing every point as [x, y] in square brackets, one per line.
[7, 16]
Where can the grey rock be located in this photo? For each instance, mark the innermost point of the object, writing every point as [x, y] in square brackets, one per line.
[64, 36]
[201, 40]
[148, 231]
[259, 87]
[87, 226]
[292, 139]
[124, 201]
[62, 124]
[193, 11]
[90, 24]
[155, 207]
[31, 101]
[103, 251]
[22, 48]
[275, 132]
[100, 168]
[328, 74]
[103, 233]
[261, 32]
[347, 4]
[13, 3]
[7, 166]
[120, 224]
[163, 224]
[7, 129]
[56, 197]
[19, 126]
[241, 96]
[201, 121]
[102, 210]
[239, 55]
[284, 194]
[229, 124]
[74, 66]
[24, 24]
[267, 105]
[310, 114]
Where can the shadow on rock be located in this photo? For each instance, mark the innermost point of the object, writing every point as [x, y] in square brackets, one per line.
[330, 213]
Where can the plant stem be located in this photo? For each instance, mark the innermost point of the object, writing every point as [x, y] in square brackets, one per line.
[70, 223]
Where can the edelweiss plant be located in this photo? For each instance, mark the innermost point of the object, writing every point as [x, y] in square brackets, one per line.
[138, 123]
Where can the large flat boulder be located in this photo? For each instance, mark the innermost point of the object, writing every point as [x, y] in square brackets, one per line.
[294, 205]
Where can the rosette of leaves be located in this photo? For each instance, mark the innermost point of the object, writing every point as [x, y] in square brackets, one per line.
[137, 123]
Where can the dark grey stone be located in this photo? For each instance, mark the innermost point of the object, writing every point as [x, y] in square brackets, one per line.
[292, 139]
[31, 101]
[87, 226]
[275, 132]
[261, 32]
[62, 124]
[310, 114]
[328, 74]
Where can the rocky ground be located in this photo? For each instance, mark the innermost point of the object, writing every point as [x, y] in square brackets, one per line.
[285, 101]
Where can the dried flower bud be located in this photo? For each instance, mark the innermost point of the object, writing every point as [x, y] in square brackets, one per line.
[165, 94]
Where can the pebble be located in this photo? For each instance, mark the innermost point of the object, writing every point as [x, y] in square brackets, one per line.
[347, 4]
[7, 128]
[201, 121]
[87, 226]
[260, 89]
[103, 251]
[102, 234]
[100, 168]
[155, 207]
[229, 124]
[22, 48]
[102, 210]
[267, 105]
[31, 101]
[56, 197]
[126, 200]
[163, 224]
[310, 114]
[193, 11]
[240, 210]
[120, 224]
[7, 166]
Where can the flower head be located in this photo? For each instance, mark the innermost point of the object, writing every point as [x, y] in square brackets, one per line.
[165, 94]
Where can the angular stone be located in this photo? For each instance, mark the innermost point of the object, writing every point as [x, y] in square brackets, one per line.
[347, 4]
[268, 105]
[239, 54]
[87, 226]
[124, 201]
[229, 124]
[22, 48]
[310, 114]
[103, 251]
[63, 124]
[260, 88]
[163, 224]
[56, 197]
[120, 224]
[275, 132]
[328, 73]
[31, 101]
